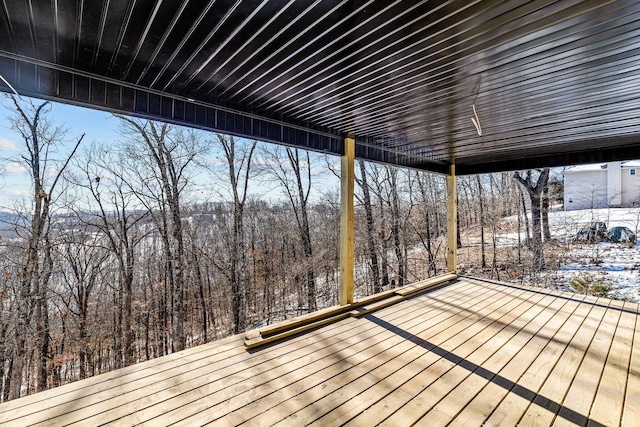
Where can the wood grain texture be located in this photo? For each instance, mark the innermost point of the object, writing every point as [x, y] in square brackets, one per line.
[470, 353]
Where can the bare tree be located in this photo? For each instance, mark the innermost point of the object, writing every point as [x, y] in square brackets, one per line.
[481, 207]
[429, 224]
[40, 138]
[293, 174]
[371, 246]
[160, 158]
[84, 258]
[535, 189]
[544, 205]
[238, 156]
[102, 178]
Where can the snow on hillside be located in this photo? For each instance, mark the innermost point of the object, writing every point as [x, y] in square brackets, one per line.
[619, 263]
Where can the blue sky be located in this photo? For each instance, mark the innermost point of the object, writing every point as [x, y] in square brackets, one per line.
[15, 182]
[102, 127]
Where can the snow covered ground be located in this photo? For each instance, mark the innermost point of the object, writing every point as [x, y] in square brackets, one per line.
[618, 264]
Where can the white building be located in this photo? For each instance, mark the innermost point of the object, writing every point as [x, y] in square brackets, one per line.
[602, 185]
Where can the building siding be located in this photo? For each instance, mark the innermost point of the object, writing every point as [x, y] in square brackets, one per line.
[585, 190]
[631, 187]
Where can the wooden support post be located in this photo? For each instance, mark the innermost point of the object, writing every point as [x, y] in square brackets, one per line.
[452, 220]
[347, 170]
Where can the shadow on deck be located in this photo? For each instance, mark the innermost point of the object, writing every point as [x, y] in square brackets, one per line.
[470, 353]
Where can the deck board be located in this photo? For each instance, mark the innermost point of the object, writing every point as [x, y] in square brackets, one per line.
[449, 407]
[631, 411]
[491, 394]
[609, 400]
[470, 353]
[358, 343]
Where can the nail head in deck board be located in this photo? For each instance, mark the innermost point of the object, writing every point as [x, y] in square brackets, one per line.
[378, 357]
[549, 400]
[282, 353]
[488, 399]
[609, 401]
[631, 412]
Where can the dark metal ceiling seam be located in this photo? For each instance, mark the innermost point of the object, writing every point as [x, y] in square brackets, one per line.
[32, 28]
[7, 21]
[142, 39]
[56, 29]
[541, 136]
[79, 15]
[323, 112]
[398, 53]
[182, 43]
[319, 36]
[257, 33]
[330, 133]
[202, 44]
[283, 47]
[251, 55]
[315, 77]
[386, 97]
[391, 66]
[505, 99]
[162, 41]
[123, 30]
[224, 43]
[103, 21]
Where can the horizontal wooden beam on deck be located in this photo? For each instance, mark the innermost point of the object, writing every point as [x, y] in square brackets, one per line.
[290, 327]
[474, 352]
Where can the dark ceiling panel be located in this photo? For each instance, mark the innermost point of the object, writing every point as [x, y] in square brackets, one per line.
[552, 82]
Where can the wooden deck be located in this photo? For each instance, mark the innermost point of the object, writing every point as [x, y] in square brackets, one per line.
[471, 353]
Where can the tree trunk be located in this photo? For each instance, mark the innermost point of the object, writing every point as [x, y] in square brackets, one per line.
[535, 194]
[525, 216]
[546, 232]
[481, 206]
[39, 137]
[395, 227]
[371, 246]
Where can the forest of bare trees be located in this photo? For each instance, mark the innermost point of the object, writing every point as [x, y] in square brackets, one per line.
[116, 257]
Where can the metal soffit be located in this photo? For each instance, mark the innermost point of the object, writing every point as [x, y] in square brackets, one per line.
[547, 83]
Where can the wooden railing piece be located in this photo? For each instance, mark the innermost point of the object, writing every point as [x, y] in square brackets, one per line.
[359, 308]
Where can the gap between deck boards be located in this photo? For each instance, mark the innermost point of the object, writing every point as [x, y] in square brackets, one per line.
[279, 331]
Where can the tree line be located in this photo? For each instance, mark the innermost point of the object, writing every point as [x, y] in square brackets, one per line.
[115, 256]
